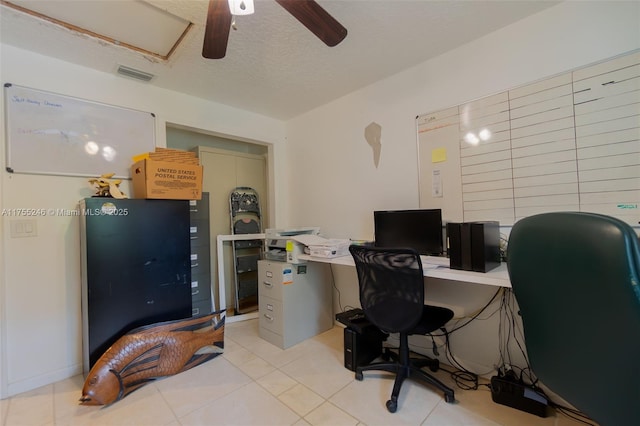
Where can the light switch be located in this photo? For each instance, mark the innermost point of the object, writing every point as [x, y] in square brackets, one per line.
[23, 228]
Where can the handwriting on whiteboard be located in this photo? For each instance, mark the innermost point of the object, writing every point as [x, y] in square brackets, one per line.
[18, 99]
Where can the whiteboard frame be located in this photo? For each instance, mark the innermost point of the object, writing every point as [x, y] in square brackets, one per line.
[25, 111]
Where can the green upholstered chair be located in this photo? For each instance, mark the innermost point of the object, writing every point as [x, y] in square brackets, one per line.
[576, 278]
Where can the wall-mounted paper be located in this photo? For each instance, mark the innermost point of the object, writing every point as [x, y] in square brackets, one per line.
[436, 188]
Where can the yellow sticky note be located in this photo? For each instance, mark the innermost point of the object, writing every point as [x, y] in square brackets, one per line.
[289, 246]
[438, 155]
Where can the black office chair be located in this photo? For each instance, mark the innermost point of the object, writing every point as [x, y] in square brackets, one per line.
[576, 278]
[392, 297]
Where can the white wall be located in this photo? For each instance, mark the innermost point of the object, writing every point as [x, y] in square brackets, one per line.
[333, 181]
[40, 279]
[324, 172]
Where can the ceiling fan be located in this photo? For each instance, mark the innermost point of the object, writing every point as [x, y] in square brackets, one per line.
[308, 12]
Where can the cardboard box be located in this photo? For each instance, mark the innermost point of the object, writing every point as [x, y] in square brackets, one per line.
[166, 180]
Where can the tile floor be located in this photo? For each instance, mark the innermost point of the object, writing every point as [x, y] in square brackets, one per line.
[256, 383]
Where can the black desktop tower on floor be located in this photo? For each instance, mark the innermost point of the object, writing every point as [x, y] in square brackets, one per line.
[474, 246]
[362, 340]
[360, 348]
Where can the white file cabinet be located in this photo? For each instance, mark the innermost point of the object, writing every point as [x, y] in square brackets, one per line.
[295, 301]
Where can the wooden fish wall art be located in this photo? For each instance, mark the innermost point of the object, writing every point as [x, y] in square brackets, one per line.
[152, 352]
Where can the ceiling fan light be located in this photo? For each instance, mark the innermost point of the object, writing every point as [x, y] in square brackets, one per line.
[241, 7]
[484, 134]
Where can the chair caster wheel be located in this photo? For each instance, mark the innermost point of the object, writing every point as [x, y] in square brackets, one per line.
[359, 376]
[392, 406]
[449, 398]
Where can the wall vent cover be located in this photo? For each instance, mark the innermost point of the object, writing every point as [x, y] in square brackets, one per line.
[134, 73]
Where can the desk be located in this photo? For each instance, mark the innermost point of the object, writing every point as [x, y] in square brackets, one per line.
[436, 267]
[497, 277]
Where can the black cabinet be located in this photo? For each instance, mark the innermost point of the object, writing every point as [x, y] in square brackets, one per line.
[136, 268]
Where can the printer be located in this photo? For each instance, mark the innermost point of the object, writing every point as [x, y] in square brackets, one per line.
[279, 246]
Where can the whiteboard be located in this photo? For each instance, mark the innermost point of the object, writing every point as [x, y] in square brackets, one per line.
[565, 143]
[52, 134]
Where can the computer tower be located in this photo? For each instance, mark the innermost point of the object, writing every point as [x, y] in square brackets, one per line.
[361, 348]
[459, 238]
[485, 246]
[474, 246]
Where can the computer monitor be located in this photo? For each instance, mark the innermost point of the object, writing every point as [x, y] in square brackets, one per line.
[419, 229]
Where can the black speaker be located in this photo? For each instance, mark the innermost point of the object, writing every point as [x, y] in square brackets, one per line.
[459, 237]
[361, 348]
[474, 246]
[485, 245]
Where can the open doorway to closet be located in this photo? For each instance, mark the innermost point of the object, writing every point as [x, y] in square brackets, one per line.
[227, 163]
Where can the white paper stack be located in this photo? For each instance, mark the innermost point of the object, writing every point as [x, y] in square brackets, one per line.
[323, 247]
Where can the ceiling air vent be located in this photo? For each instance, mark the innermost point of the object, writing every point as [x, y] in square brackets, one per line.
[134, 73]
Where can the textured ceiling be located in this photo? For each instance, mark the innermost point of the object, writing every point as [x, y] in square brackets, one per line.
[274, 66]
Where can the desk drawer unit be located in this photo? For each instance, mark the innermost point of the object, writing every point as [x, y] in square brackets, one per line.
[200, 255]
[199, 232]
[201, 307]
[200, 289]
[295, 301]
[270, 279]
[271, 312]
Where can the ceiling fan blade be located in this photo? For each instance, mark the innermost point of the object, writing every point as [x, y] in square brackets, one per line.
[216, 32]
[316, 19]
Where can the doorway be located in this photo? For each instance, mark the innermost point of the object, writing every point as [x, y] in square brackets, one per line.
[227, 163]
